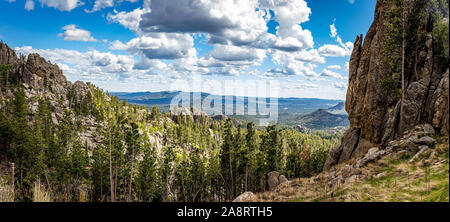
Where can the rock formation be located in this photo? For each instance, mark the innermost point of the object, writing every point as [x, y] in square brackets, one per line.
[374, 96]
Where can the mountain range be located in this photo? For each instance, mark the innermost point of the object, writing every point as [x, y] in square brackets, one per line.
[313, 113]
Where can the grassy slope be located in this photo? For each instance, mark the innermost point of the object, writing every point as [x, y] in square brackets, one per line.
[398, 181]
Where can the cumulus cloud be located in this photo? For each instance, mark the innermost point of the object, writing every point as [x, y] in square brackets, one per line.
[91, 64]
[328, 73]
[340, 50]
[196, 16]
[162, 45]
[230, 53]
[333, 51]
[117, 45]
[232, 22]
[72, 33]
[61, 5]
[334, 67]
[339, 85]
[29, 5]
[306, 85]
[236, 29]
[101, 4]
[129, 20]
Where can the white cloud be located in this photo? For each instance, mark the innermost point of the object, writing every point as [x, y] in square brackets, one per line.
[101, 4]
[334, 67]
[340, 50]
[306, 85]
[117, 45]
[90, 65]
[339, 85]
[61, 5]
[346, 66]
[129, 20]
[29, 5]
[333, 31]
[230, 53]
[333, 51]
[351, 1]
[328, 73]
[232, 22]
[162, 45]
[72, 33]
[289, 14]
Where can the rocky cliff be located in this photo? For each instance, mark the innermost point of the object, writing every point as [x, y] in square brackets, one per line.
[409, 37]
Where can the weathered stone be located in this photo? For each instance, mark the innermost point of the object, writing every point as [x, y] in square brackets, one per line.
[373, 154]
[246, 196]
[422, 150]
[375, 109]
[401, 154]
[272, 179]
[336, 180]
[282, 179]
[333, 157]
[378, 176]
[344, 151]
[426, 140]
[353, 179]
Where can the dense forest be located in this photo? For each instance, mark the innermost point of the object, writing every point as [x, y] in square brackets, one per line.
[198, 159]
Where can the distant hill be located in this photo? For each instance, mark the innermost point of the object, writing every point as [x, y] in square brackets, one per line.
[289, 109]
[322, 119]
[338, 109]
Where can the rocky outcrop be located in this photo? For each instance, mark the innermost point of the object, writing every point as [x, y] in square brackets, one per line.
[274, 179]
[377, 109]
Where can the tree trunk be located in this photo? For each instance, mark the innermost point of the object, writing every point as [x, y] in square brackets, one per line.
[131, 174]
[12, 179]
[232, 181]
[111, 182]
[403, 72]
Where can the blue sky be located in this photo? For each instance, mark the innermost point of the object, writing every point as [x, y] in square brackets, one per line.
[142, 45]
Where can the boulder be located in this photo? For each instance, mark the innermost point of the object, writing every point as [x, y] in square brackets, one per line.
[372, 155]
[272, 179]
[426, 140]
[282, 179]
[246, 196]
[422, 150]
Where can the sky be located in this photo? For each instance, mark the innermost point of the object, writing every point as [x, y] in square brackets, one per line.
[157, 45]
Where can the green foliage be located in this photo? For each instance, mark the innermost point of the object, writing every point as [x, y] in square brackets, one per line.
[440, 35]
[147, 158]
[4, 75]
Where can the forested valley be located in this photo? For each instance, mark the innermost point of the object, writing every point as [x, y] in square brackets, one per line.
[133, 153]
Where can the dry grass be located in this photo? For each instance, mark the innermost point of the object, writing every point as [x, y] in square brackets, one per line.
[424, 180]
[6, 191]
[40, 194]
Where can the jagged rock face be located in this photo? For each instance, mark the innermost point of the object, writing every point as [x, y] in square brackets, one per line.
[374, 111]
[41, 78]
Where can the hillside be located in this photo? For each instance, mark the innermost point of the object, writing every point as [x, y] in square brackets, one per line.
[396, 148]
[322, 119]
[392, 178]
[385, 98]
[64, 141]
[289, 109]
